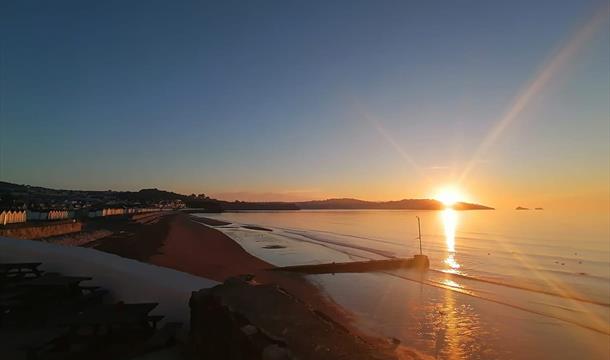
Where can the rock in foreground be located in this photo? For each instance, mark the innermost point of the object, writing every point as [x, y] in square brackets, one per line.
[242, 320]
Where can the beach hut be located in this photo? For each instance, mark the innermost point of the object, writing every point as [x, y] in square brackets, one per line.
[12, 217]
[58, 214]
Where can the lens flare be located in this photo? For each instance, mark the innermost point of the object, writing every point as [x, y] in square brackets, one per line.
[537, 85]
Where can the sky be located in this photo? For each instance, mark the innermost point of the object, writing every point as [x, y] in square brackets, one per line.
[292, 100]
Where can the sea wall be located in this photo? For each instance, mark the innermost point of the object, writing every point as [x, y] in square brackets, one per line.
[39, 231]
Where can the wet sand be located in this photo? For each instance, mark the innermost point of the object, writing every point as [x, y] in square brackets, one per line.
[184, 243]
[201, 250]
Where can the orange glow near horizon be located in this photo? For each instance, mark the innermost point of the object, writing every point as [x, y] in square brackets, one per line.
[449, 196]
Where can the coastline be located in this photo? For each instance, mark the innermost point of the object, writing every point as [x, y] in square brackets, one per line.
[191, 245]
[384, 313]
[440, 313]
[182, 243]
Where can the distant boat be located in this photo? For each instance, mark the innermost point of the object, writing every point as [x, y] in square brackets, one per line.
[521, 208]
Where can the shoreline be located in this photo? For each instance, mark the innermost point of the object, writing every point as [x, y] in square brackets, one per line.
[380, 326]
[192, 245]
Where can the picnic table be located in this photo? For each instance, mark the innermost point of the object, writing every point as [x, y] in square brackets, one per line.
[53, 286]
[104, 329]
[55, 281]
[19, 266]
[118, 323]
[20, 270]
[46, 298]
[114, 314]
[48, 314]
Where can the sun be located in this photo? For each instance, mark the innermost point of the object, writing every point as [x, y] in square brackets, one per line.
[449, 196]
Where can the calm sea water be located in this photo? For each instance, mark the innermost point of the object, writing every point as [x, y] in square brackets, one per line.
[502, 284]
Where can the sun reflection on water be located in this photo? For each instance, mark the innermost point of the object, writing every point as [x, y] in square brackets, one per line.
[451, 283]
[450, 220]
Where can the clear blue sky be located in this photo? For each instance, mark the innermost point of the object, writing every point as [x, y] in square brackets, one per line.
[274, 99]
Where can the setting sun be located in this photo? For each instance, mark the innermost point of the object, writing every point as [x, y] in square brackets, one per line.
[449, 196]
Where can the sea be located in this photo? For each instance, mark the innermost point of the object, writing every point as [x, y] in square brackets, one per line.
[502, 284]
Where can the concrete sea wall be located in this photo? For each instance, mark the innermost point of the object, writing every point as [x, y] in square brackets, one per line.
[39, 231]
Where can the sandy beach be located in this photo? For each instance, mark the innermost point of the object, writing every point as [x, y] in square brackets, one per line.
[187, 244]
[191, 245]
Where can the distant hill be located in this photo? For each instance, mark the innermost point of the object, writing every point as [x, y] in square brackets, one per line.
[144, 194]
[242, 205]
[405, 204]
[12, 195]
[150, 195]
[9, 187]
[11, 192]
[469, 206]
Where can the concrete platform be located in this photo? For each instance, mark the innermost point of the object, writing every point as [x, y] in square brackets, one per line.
[417, 262]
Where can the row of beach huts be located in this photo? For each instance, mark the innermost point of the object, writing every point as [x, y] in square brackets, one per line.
[121, 211]
[12, 217]
[21, 216]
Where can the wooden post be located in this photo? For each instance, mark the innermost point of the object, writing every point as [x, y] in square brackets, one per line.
[419, 230]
